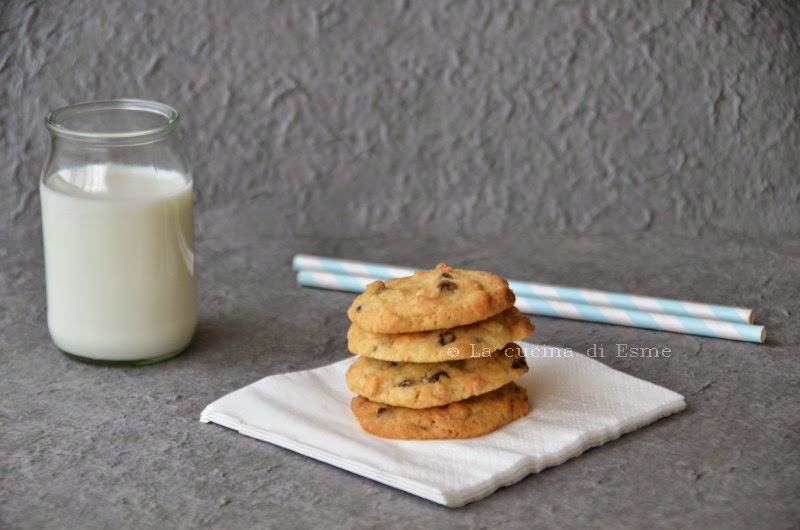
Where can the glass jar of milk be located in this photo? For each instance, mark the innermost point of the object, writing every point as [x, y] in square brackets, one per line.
[118, 237]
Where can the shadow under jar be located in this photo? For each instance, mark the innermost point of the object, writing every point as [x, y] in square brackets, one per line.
[116, 199]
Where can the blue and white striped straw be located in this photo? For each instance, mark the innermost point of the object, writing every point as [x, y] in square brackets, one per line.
[542, 290]
[560, 309]
[642, 319]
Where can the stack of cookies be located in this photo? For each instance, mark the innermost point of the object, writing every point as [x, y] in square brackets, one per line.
[437, 359]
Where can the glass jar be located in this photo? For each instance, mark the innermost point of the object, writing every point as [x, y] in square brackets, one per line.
[116, 197]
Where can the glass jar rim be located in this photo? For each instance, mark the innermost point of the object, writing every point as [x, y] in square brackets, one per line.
[55, 119]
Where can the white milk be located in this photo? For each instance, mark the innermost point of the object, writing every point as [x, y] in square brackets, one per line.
[119, 252]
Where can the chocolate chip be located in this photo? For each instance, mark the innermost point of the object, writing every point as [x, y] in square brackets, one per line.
[381, 410]
[358, 309]
[518, 362]
[394, 363]
[405, 382]
[446, 275]
[446, 338]
[438, 375]
[447, 285]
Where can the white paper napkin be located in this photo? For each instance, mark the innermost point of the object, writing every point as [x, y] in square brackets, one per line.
[577, 403]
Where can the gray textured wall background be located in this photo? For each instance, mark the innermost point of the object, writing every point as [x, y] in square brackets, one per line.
[347, 118]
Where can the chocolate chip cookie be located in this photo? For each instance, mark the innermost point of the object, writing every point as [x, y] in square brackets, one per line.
[463, 419]
[423, 385]
[441, 345]
[430, 300]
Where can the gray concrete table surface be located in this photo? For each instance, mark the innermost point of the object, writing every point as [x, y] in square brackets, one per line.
[94, 447]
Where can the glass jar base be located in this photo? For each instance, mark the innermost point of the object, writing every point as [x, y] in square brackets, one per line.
[138, 362]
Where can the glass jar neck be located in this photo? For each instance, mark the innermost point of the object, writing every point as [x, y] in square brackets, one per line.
[92, 142]
[120, 122]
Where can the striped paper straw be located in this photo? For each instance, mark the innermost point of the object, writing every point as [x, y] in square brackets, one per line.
[542, 290]
[559, 309]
